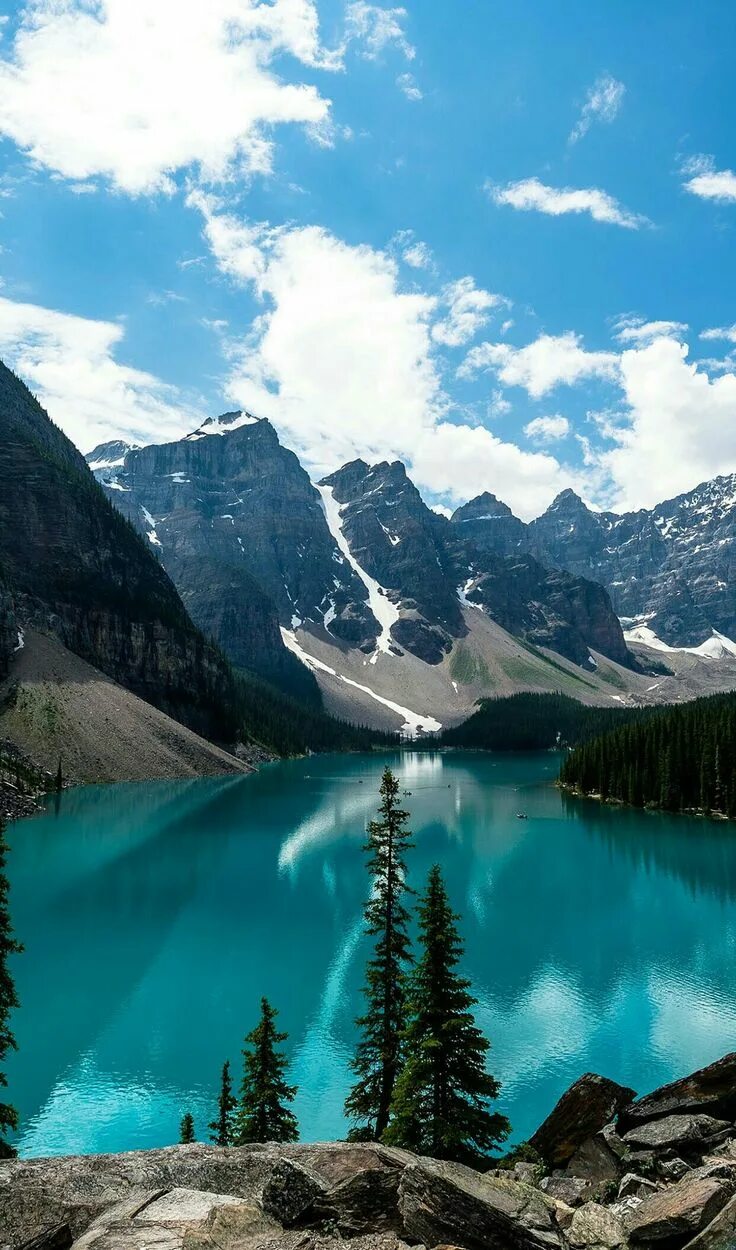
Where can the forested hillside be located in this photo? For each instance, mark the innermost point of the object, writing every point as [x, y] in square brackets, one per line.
[534, 722]
[679, 758]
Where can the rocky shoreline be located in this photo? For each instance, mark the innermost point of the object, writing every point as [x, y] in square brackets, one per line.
[605, 1171]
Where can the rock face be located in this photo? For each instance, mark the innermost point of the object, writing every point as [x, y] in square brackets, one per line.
[240, 529]
[672, 566]
[583, 1110]
[403, 545]
[548, 607]
[70, 564]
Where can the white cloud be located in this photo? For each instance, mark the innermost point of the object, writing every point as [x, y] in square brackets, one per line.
[531, 195]
[725, 333]
[547, 362]
[342, 360]
[680, 428]
[548, 429]
[377, 28]
[407, 84]
[419, 256]
[468, 307]
[69, 362]
[602, 104]
[634, 329]
[134, 92]
[710, 183]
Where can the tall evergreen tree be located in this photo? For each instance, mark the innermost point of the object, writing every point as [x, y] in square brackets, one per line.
[262, 1114]
[221, 1129]
[186, 1129]
[441, 1101]
[378, 1058]
[8, 1000]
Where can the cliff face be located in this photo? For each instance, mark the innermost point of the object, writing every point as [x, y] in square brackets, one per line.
[71, 564]
[237, 524]
[673, 565]
[402, 544]
[549, 608]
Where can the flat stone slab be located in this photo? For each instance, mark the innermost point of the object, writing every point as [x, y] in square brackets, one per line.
[674, 1131]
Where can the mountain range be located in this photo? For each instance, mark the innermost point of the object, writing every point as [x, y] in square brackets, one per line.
[403, 614]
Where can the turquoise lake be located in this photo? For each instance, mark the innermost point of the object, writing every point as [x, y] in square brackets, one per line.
[155, 916]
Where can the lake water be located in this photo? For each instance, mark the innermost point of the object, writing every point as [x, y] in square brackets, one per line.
[155, 916]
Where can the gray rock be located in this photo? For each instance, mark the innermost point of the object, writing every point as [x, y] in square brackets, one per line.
[720, 1233]
[672, 1169]
[636, 1186]
[681, 1211]
[446, 1203]
[596, 1225]
[674, 1132]
[290, 1192]
[571, 1190]
[710, 1091]
[36, 1194]
[595, 1161]
[582, 1111]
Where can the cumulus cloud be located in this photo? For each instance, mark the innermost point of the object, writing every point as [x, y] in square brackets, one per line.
[69, 362]
[342, 360]
[531, 195]
[468, 307]
[633, 329]
[709, 183]
[548, 429]
[547, 362]
[602, 104]
[134, 92]
[680, 427]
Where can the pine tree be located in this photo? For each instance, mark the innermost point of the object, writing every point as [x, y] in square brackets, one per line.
[221, 1129]
[8, 1000]
[440, 1106]
[378, 1058]
[186, 1129]
[262, 1115]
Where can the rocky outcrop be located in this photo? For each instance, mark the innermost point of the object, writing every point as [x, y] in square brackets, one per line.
[710, 1091]
[71, 565]
[583, 1110]
[318, 1197]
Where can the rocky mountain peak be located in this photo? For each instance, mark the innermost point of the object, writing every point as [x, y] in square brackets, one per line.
[227, 423]
[484, 507]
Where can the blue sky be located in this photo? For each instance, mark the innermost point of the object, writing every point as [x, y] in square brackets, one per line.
[487, 239]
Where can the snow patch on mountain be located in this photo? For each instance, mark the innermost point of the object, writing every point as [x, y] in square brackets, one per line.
[414, 723]
[714, 648]
[385, 612]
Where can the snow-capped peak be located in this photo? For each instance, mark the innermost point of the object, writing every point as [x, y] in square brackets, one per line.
[224, 424]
